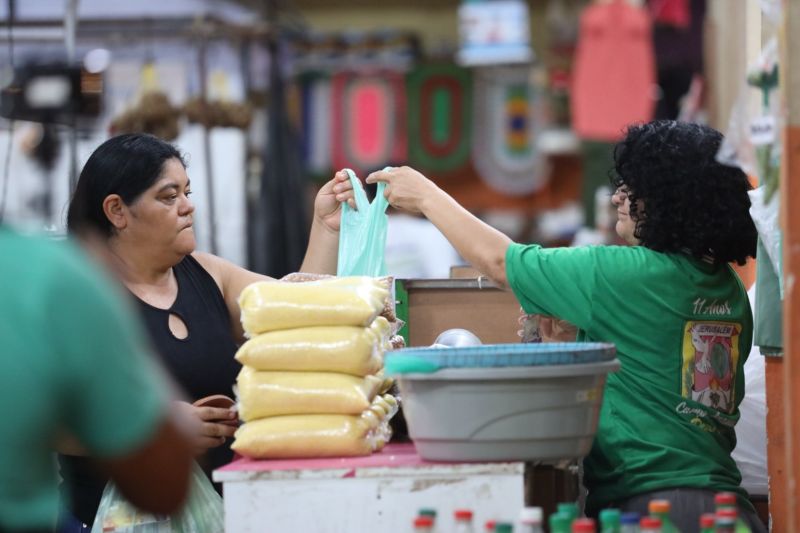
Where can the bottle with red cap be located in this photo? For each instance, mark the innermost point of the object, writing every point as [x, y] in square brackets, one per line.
[707, 521]
[724, 524]
[583, 525]
[729, 514]
[726, 501]
[650, 524]
[488, 527]
[463, 518]
[423, 524]
[660, 509]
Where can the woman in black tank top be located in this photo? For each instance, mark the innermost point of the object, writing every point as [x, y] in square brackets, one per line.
[134, 192]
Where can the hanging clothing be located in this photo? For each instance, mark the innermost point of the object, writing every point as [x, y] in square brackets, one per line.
[614, 73]
[678, 49]
[768, 333]
[673, 12]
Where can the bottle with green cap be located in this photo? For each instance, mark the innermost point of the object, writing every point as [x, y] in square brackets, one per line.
[560, 523]
[570, 509]
[610, 521]
[660, 509]
[427, 512]
[504, 527]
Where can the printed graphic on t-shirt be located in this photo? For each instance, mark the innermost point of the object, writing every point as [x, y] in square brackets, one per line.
[710, 358]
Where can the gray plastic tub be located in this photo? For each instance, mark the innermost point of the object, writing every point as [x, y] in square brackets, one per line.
[538, 413]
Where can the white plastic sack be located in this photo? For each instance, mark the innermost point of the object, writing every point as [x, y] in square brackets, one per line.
[750, 453]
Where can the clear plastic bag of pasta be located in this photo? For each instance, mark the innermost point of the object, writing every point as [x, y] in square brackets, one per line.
[357, 351]
[310, 436]
[276, 305]
[265, 394]
[202, 512]
[386, 281]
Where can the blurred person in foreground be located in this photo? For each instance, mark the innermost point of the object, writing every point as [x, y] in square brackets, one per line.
[74, 367]
[677, 313]
[134, 193]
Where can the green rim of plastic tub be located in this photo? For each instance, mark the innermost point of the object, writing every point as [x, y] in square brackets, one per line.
[428, 360]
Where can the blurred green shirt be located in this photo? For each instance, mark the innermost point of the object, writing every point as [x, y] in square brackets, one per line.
[71, 359]
[683, 329]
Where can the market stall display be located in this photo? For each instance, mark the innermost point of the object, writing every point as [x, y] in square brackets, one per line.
[312, 383]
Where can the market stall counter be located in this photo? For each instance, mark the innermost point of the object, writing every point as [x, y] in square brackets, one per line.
[379, 492]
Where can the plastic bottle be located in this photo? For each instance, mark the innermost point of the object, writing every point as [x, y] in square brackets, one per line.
[707, 523]
[488, 527]
[650, 524]
[560, 523]
[610, 521]
[629, 523]
[724, 524]
[504, 527]
[727, 500]
[732, 513]
[570, 509]
[583, 525]
[423, 524]
[530, 520]
[463, 518]
[660, 509]
[430, 513]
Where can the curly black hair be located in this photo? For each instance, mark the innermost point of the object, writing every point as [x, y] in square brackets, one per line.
[690, 202]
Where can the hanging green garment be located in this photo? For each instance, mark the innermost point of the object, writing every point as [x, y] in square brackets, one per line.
[768, 317]
[598, 160]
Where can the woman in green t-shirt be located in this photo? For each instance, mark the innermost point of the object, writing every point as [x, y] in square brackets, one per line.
[676, 311]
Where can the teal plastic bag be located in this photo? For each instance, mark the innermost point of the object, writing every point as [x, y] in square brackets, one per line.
[362, 236]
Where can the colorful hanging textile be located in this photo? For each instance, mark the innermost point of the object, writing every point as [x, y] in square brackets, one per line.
[614, 72]
[439, 117]
[369, 120]
[315, 124]
[671, 12]
[508, 120]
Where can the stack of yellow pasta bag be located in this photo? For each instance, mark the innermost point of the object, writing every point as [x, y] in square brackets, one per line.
[312, 383]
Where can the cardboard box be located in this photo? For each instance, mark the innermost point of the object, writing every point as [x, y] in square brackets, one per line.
[431, 306]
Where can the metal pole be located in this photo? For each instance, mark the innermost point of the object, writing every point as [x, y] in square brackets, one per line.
[202, 59]
[70, 27]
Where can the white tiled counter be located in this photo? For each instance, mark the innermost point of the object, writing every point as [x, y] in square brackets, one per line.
[380, 493]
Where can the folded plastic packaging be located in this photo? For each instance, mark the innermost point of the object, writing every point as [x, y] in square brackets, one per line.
[275, 305]
[202, 512]
[266, 394]
[347, 349]
[387, 282]
[308, 436]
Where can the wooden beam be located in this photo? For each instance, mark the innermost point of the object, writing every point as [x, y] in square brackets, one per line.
[776, 445]
[790, 222]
